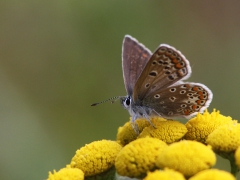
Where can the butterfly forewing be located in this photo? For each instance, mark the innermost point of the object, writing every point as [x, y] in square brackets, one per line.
[165, 67]
[134, 59]
[183, 100]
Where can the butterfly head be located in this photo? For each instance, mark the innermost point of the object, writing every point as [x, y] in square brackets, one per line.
[135, 109]
[126, 101]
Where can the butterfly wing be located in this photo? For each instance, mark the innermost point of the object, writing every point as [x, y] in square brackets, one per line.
[183, 100]
[165, 67]
[134, 59]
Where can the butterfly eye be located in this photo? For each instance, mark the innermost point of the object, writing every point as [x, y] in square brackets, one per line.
[127, 101]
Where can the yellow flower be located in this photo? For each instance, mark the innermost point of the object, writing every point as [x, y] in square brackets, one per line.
[66, 173]
[156, 120]
[237, 157]
[187, 157]
[127, 134]
[168, 131]
[138, 157]
[96, 157]
[225, 138]
[213, 174]
[166, 174]
[202, 125]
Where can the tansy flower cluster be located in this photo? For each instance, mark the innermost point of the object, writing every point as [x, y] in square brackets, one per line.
[169, 150]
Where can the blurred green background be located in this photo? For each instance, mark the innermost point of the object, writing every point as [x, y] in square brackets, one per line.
[58, 57]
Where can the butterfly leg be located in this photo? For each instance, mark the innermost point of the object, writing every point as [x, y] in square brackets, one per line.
[134, 124]
[145, 114]
[149, 120]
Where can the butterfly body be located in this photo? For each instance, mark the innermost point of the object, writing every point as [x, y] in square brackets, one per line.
[135, 109]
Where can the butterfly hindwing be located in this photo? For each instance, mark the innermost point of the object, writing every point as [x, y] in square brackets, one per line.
[182, 100]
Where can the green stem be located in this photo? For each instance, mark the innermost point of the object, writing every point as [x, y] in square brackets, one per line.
[234, 168]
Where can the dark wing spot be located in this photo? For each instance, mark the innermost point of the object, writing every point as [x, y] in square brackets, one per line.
[170, 113]
[160, 62]
[182, 92]
[147, 85]
[179, 59]
[171, 78]
[153, 73]
[172, 98]
[154, 62]
[183, 105]
[156, 96]
[167, 67]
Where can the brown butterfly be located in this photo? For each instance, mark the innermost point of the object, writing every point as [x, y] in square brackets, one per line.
[154, 83]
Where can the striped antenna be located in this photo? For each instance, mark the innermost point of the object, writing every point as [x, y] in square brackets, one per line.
[113, 99]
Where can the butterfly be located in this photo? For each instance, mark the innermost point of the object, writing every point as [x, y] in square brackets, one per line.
[154, 83]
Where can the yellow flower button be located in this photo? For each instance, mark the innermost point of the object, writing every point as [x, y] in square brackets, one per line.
[138, 157]
[187, 157]
[96, 157]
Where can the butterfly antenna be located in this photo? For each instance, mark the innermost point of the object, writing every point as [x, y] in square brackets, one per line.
[113, 99]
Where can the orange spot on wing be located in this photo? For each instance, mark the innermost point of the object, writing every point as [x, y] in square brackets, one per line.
[195, 88]
[175, 61]
[201, 97]
[198, 102]
[194, 107]
[144, 55]
[186, 112]
[178, 65]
